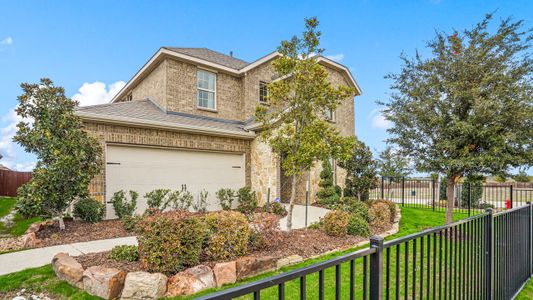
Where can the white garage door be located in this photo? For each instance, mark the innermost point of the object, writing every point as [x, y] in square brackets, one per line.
[145, 169]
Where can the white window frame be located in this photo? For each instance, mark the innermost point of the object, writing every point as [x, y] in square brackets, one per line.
[332, 112]
[264, 84]
[198, 88]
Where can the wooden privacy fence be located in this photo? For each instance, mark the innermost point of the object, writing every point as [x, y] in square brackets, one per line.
[11, 180]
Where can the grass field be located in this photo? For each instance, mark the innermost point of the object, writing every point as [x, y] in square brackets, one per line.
[527, 292]
[20, 224]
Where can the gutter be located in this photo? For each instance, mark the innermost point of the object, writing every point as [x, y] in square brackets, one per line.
[164, 125]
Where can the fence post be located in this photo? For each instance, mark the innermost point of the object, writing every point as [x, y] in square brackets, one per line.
[382, 187]
[469, 197]
[376, 268]
[403, 191]
[530, 219]
[511, 195]
[489, 254]
[433, 184]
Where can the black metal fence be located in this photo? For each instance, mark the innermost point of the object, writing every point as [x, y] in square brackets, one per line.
[486, 256]
[468, 197]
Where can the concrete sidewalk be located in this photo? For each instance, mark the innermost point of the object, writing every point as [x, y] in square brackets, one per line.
[31, 258]
[298, 216]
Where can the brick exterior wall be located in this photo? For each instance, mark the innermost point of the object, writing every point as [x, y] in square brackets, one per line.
[182, 92]
[154, 86]
[117, 134]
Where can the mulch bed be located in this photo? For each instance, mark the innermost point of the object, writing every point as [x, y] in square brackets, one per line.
[78, 231]
[306, 243]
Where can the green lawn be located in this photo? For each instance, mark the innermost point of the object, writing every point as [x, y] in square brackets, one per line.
[527, 292]
[413, 220]
[21, 224]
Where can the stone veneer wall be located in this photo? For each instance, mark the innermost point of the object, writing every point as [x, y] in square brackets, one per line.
[118, 134]
[264, 167]
[153, 86]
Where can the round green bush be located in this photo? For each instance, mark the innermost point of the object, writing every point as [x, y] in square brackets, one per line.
[89, 210]
[276, 208]
[124, 253]
[358, 226]
[247, 200]
[169, 242]
[228, 235]
[354, 206]
[336, 223]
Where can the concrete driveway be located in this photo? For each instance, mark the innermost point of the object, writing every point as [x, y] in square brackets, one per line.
[298, 216]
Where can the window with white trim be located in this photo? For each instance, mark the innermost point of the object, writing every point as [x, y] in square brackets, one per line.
[329, 114]
[207, 91]
[263, 92]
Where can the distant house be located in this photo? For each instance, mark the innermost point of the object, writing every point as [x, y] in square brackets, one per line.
[2, 167]
[185, 119]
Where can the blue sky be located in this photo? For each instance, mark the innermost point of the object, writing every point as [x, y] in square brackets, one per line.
[91, 47]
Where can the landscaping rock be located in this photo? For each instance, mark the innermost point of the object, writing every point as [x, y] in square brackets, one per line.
[103, 282]
[225, 273]
[35, 227]
[247, 266]
[67, 268]
[191, 281]
[144, 285]
[30, 240]
[289, 260]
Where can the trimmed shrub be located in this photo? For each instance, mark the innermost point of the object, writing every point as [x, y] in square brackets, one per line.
[328, 194]
[227, 235]
[265, 231]
[390, 204]
[247, 200]
[124, 253]
[124, 207]
[315, 225]
[354, 206]
[225, 198]
[130, 222]
[276, 208]
[358, 226]
[180, 200]
[200, 205]
[379, 215]
[335, 223]
[156, 199]
[89, 210]
[171, 241]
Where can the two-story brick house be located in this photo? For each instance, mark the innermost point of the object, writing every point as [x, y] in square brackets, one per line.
[186, 119]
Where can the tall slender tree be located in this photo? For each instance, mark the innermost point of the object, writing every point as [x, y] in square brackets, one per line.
[294, 124]
[468, 109]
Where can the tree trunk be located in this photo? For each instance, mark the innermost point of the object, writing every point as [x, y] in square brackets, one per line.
[450, 195]
[291, 203]
[61, 223]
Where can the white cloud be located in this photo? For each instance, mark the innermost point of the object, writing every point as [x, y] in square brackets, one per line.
[8, 148]
[7, 41]
[97, 92]
[336, 57]
[378, 120]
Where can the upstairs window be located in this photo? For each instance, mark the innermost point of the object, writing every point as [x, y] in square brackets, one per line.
[263, 92]
[207, 82]
[129, 97]
[329, 114]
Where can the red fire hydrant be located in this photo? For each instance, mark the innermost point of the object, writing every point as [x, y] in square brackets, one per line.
[507, 203]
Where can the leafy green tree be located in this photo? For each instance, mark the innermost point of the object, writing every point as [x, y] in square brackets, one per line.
[522, 177]
[472, 190]
[392, 166]
[361, 172]
[67, 158]
[294, 125]
[468, 108]
[327, 193]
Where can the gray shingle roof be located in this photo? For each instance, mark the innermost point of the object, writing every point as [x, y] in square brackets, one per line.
[212, 56]
[147, 111]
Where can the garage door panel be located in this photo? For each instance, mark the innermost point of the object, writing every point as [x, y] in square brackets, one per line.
[146, 169]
